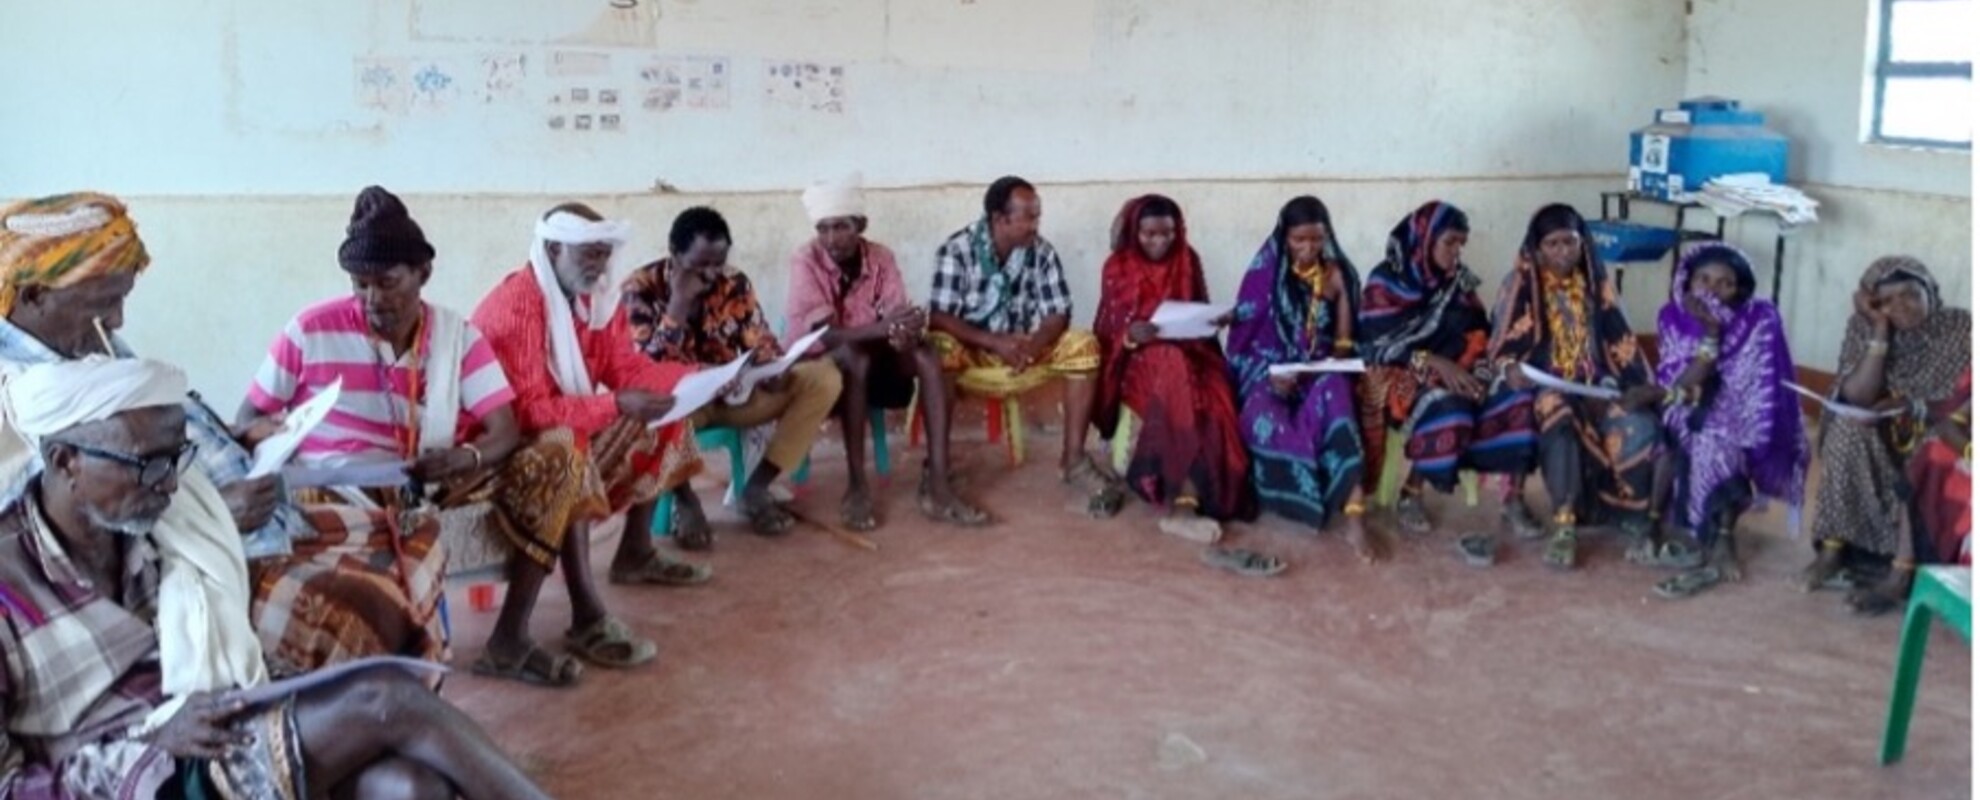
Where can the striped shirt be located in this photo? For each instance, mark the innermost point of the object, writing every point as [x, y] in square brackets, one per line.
[330, 341]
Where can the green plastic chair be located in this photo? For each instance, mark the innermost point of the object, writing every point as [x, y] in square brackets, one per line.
[1395, 467]
[1945, 592]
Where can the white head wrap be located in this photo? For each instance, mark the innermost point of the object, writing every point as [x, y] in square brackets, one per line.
[47, 399]
[840, 198]
[595, 309]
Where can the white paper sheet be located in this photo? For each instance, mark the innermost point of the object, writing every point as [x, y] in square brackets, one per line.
[276, 450]
[1843, 410]
[1547, 380]
[1179, 320]
[363, 476]
[276, 690]
[700, 389]
[1341, 365]
[751, 376]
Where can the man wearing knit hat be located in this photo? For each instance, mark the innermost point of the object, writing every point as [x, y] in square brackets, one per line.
[418, 386]
[845, 282]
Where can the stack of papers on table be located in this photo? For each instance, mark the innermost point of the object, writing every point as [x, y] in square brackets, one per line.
[1733, 195]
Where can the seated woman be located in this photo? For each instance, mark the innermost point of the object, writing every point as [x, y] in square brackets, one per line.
[1188, 456]
[1941, 477]
[1427, 332]
[1557, 313]
[1903, 350]
[1297, 304]
[1732, 428]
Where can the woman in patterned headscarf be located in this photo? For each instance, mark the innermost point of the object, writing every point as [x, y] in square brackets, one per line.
[1903, 351]
[1427, 333]
[1732, 427]
[1298, 303]
[1558, 313]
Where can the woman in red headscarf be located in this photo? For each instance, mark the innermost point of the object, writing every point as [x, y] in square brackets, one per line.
[1188, 457]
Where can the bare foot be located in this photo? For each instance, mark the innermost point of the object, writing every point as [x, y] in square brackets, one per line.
[1366, 546]
[1826, 566]
[1725, 556]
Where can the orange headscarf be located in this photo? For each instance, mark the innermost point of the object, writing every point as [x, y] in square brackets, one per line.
[60, 241]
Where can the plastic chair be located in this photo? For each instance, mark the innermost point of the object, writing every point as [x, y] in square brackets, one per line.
[1395, 467]
[1123, 442]
[883, 465]
[1945, 592]
[1000, 415]
[712, 438]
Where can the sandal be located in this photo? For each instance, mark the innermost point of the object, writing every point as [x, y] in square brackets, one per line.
[660, 570]
[955, 511]
[1688, 583]
[1478, 549]
[1201, 530]
[536, 667]
[1411, 515]
[691, 528]
[1105, 495]
[1560, 550]
[1669, 554]
[609, 643]
[1524, 525]
[1243, 562]
[767, 518]
[856, 512]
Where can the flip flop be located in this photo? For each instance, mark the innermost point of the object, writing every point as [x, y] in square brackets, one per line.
[957, 512]
[856, 513]
[660, 570]
[1522, 521]
[1201, 530]
[536, 667]
[1560, 551]
[1688, 583]
[1671, 554]
[610, 644]
[1478, 549]
[1243, 562]
[697, 534]
[768, 519]
[1411, 515]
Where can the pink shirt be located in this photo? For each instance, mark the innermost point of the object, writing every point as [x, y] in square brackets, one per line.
[329, 341]
[814, 297]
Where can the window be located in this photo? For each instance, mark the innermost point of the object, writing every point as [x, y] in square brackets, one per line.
[1922, 86]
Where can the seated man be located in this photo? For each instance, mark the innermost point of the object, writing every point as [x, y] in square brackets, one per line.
[846, 282]
[693, 308]
[422, 387]
[1002, 313]
[67, 264]
[581, 387]
[90, 588]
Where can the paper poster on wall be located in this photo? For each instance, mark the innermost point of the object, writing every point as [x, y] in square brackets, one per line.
[805, 86]
[499, 77]
[434, 86]
[595, 23]
[1047, 35]
[695, 82]
[382, 84]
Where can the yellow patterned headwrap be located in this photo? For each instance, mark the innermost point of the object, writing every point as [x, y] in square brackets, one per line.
[64, 240]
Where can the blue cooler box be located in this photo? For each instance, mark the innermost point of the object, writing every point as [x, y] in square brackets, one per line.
[1623, 242]
[1703, 138]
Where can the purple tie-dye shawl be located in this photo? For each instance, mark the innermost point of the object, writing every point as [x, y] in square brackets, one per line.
[1749, 423]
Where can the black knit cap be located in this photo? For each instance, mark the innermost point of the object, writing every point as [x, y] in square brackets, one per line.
[381, 235]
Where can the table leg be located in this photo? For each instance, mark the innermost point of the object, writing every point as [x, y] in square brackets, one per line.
[1780, 259]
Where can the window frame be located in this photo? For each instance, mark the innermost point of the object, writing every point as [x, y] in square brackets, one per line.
[1884, 69]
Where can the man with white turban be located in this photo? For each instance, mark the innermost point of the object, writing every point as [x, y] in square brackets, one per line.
[847, 283]
[557, 329]
[124, 633]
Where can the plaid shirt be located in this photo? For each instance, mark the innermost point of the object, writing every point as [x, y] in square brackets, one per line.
[966, 289]
[224, 460]
[78, 672]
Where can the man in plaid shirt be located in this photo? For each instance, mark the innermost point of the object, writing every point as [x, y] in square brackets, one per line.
[1001, 316]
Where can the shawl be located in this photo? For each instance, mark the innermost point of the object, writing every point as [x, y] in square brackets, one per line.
[1519, 320]
[1272, 307]
[1409, 303]
[1131, 287]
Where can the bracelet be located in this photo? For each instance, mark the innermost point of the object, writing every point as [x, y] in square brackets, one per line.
[1878, 347]
[1420, 360]
[477, 454]
[1354, 509]
[1673, 396]
[1708, 349]
[1343, 345]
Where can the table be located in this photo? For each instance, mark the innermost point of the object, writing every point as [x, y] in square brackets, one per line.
[1622, 200]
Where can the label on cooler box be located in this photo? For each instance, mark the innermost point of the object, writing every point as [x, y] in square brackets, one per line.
[1676, 185]
[1674, 116]
[1656, 154]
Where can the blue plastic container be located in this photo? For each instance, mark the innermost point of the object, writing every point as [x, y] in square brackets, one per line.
[1703, 138]
[1625, 242]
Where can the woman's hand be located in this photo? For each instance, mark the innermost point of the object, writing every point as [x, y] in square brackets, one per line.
[1703, 313]
[1455, 378]
[1142, 332]
[1284, 385]
[1872, 312]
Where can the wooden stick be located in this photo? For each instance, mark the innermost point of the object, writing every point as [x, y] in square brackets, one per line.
[844, 536]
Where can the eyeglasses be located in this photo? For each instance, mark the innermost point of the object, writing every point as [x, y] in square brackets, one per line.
[151, 469]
